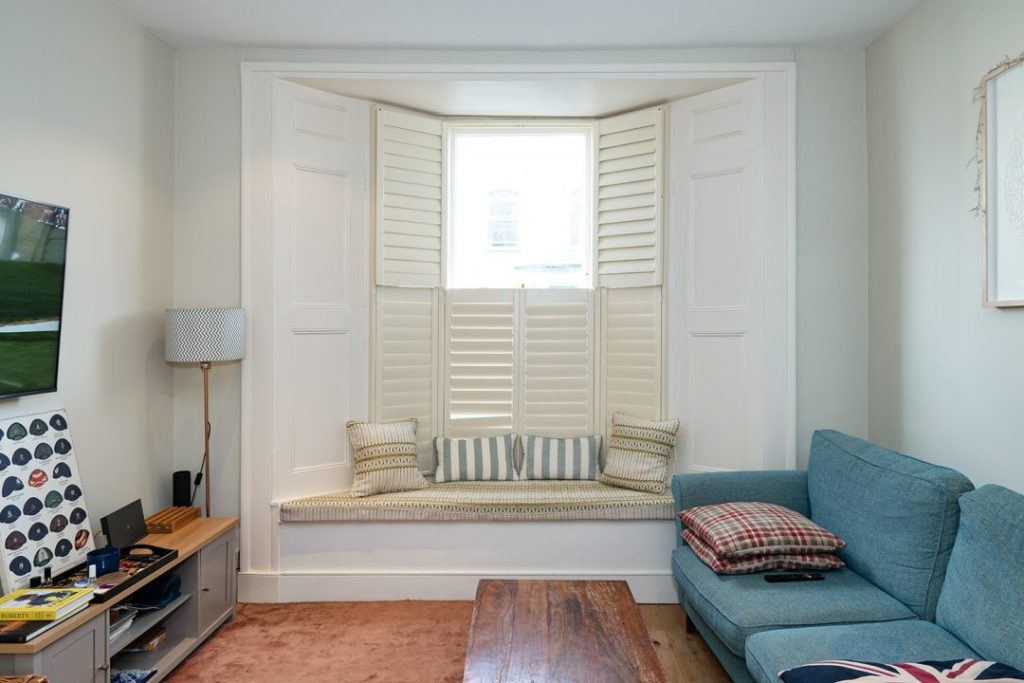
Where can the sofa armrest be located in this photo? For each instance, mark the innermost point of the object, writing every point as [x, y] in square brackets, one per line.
[781, 487]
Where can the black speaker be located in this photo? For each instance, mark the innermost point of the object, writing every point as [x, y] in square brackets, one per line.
[182, 488]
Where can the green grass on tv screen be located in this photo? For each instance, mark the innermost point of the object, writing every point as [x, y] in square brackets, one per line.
[30, 291]
[28, 362]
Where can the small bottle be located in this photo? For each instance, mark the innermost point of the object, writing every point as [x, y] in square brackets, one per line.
[92, 576]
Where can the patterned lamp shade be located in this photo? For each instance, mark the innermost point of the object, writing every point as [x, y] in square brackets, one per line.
[198, 335]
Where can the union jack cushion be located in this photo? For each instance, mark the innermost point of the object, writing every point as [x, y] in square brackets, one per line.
[737, 530]
[758, 563]
[955, 671]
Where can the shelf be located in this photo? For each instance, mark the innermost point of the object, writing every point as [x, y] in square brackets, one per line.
[145, 621]
[163, 659]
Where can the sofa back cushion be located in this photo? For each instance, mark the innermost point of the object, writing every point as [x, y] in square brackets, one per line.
[983, 597]
[898, 515]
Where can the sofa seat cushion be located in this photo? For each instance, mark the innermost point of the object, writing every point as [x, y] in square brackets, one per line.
[485, 501]
[770, 652]
[737, 606]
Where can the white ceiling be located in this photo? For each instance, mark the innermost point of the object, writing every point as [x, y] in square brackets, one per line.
[526, 97]
[516, 24]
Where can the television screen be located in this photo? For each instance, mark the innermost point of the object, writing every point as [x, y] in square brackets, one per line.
[33, 243]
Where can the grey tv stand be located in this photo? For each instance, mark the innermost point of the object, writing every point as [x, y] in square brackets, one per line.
[79, 649]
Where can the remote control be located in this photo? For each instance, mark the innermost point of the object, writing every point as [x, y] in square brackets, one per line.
[785, 578]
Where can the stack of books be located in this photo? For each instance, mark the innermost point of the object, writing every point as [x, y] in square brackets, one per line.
[29, 612]
[121, 619]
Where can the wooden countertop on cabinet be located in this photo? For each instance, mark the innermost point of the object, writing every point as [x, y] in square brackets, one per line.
[187, 540]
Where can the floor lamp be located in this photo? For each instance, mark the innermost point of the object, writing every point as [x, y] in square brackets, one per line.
[205, 336]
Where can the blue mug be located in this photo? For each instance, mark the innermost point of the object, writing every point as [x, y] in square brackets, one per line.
[107, 560]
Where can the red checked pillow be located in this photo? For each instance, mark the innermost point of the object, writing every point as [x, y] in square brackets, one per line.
[738, 530]
[759, 563]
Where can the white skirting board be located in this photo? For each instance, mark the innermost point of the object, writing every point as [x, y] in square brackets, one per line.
[445, 560]
[340, 587]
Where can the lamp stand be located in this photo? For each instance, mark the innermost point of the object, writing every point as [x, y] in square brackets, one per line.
[205, 367]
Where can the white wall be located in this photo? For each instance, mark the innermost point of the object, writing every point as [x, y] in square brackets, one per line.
[946, 374]
[87, 122]
[830, 97]
[832, 245]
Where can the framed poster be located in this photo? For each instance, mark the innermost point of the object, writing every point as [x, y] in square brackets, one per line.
[1002, 184]
[44, 522]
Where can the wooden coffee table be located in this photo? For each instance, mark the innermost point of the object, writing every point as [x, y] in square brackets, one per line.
[565, 631]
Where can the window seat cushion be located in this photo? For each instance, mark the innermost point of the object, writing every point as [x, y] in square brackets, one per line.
[485, 501]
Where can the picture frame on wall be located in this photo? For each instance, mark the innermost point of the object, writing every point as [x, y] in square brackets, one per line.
[1001, 160]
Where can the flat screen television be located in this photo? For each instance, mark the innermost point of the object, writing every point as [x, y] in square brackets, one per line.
[33, 245]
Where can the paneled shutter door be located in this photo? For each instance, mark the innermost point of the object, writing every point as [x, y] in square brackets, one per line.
[557, 361]
[406, 358]
[479, 363]
[629, 199]
[719, 163]
[317, 271]
[631, 353]
[409, 199]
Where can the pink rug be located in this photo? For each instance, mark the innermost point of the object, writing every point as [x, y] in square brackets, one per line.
[382, 642]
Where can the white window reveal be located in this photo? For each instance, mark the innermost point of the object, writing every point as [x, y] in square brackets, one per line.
[518, 200]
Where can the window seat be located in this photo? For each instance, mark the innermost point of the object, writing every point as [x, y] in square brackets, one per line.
[486, 501]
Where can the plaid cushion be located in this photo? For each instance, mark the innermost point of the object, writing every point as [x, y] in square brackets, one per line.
[841, 671]
[758, 563]
[736, 530]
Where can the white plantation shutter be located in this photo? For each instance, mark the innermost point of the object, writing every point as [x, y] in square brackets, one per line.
[631, 352]
[557, 363]
[629, 214]
[479, 366]
[409, 199]
[406, 358]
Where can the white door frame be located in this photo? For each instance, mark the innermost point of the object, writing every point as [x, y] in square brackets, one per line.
[259, 562]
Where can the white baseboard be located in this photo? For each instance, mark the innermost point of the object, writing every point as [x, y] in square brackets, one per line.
[343, 586]
[258, 587]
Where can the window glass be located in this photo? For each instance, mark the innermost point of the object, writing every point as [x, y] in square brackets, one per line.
[518, 208]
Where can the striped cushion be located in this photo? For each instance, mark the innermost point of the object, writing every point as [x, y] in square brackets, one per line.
[550, 458]
[484, 459]
[385, 457]
[638, 453]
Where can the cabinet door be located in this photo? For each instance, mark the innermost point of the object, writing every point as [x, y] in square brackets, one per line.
[79, 657]
[216, 582]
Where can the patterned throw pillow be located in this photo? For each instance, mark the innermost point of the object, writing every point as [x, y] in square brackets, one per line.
[638, 453]
[736, 530]
[954, 671]
[485, 459]
[758, 563]
[550, 458]
[385, 457]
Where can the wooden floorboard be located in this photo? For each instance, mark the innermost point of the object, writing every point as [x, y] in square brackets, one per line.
[685, 656]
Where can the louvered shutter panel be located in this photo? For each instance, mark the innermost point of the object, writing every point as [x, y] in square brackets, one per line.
[629, 213]
[479, 363]
[409, 199]
[631, 352]
[406, 356]
[557, 361]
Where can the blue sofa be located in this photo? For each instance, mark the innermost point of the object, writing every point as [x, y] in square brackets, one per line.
[893, 602]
